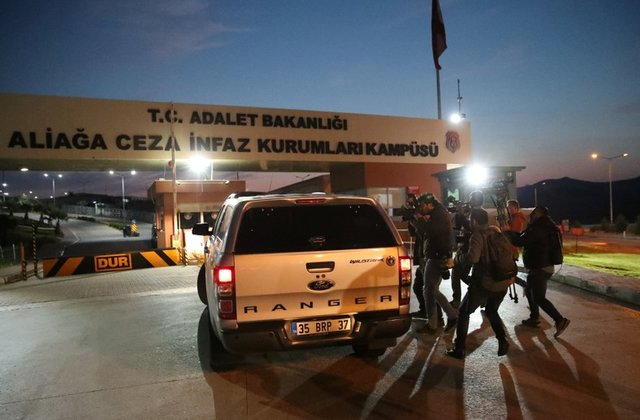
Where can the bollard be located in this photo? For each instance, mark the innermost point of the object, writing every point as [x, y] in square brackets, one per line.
[23, 262]
[35, 258]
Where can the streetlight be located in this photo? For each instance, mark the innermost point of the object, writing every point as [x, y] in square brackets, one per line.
[610, 159]
[535, 193]
[53, 185]
[123, 199]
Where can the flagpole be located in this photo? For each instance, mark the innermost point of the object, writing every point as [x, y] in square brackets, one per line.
[438, 93]
[174, 188]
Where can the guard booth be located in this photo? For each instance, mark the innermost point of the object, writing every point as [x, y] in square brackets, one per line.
[195, 201]
[496, 182]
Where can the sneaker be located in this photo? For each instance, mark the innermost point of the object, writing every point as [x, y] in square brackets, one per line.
[561, 326]
[503, 347]
[451, 324]
[418, 314]
[531, 322]
[456, 353]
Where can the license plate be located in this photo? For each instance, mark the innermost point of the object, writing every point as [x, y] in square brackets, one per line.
[325, 326]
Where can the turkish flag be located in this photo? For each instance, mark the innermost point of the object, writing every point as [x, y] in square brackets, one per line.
[438, 36]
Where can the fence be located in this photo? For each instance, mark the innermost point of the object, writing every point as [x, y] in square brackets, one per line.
[10, 255]
[110, 212]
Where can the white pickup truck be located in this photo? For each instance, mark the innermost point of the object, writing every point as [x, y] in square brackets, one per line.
[304, 270]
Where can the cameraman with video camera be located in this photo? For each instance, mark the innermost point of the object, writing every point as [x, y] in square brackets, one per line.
[434, 224]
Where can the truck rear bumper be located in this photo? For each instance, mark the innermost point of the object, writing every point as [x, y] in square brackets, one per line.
[369, 328]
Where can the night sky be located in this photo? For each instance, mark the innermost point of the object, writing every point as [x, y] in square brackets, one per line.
[544, 84]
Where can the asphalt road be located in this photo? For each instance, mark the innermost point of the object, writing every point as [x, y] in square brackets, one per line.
[83, 238]
[135, 345]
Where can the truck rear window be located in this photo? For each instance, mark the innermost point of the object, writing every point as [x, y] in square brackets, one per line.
[310, 228]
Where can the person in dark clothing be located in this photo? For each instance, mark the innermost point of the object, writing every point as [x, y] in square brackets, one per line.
[483, 290]
[436, 251]
[460, 272]
[462, 229]
[410, 215]
[536, 256]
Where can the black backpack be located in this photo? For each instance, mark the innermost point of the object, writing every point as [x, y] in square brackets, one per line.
[500, 262]
[555, 246]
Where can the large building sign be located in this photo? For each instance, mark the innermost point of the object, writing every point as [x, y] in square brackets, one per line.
[96, 130]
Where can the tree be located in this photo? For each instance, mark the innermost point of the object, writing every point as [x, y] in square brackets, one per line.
[620, 223]
[40, 208]
[636, 226]
[12, 205]
[25, 204]
[58, 214]
[605, 225]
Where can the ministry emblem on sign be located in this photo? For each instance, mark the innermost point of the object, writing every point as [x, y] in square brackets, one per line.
[453, 141]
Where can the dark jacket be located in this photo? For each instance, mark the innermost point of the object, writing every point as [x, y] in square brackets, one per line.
[477, 256]
[437, 233]
[536, 242]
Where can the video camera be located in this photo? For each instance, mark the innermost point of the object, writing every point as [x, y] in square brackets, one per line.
[409, 208]
[453, 205]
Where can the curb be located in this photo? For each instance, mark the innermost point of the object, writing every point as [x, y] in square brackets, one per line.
[16, 277]
[617, 292]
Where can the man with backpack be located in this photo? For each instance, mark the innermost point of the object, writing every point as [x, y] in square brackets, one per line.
[542, 249]
[492, 273]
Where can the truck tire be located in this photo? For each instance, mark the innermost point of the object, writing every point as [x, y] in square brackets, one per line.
[202, 288]
[212, 354]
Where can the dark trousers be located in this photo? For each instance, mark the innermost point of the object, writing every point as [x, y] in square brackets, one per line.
[475, 297]
[418, 287]
[536, 293]
[459, 273]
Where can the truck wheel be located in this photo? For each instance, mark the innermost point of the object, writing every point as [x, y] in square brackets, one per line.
[363, 350]
[202, 288]
[212, 354]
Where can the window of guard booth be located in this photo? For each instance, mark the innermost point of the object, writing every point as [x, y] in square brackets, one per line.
[453, 197]
[391, 198]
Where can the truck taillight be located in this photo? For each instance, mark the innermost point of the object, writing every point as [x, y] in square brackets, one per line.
[405, 269]
[225, 279]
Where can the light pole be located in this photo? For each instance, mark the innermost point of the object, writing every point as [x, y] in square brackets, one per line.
[53, 186]
[123, 199]
[610, 159]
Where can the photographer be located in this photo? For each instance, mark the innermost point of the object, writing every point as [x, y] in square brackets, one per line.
[410, 215]
[435, 225]
[462, 231]
[461, 270]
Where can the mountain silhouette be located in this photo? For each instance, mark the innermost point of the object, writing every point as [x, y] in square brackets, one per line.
[583, 201]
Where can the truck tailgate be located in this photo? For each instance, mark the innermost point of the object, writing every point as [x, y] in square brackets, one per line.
[315, 284]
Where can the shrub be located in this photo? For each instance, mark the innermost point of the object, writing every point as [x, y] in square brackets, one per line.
[635, 228]
[605, 226]
[620, 224]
